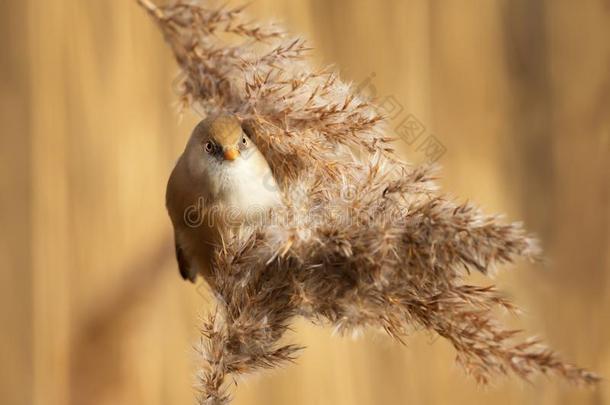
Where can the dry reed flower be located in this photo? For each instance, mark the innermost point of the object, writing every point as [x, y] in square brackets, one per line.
[400, 259]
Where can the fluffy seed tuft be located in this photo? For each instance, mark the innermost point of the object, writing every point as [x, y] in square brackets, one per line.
[364, 240]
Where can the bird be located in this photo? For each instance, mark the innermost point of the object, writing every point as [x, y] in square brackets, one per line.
[221, 184]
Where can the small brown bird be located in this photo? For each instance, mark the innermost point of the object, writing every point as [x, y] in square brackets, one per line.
[220, 184]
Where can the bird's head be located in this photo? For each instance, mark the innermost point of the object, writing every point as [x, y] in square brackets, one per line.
[221, 153]
[216, 142]
[221, 138]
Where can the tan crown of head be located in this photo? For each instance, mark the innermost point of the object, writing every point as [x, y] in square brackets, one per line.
[224, 130]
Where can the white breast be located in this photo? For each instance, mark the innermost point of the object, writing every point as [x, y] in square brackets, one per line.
[246, 185]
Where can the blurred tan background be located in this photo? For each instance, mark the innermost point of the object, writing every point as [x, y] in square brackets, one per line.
[92, 308]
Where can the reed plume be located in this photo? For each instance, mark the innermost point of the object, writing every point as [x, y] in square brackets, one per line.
[363, 240]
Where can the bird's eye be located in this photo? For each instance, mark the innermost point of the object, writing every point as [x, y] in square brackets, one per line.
[209, 147]
[244, 141]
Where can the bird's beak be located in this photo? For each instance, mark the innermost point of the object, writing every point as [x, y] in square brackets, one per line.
[231, 154]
